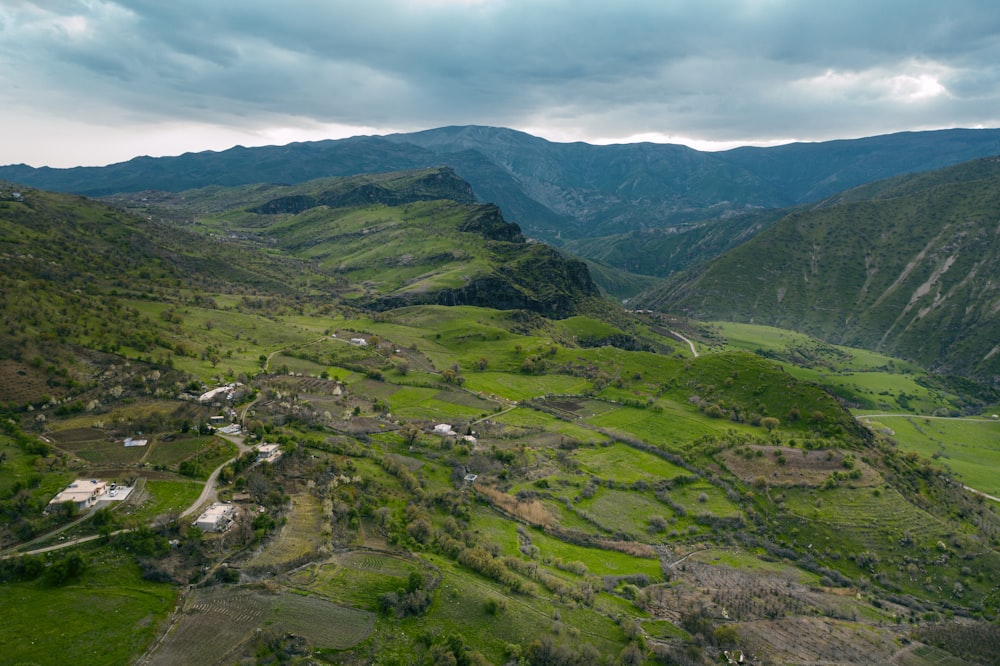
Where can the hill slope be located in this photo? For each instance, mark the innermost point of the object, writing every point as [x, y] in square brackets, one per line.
[557, 191]
[906, 266]
[389, 240]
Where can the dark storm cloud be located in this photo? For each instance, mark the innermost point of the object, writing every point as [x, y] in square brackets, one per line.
[752, 70]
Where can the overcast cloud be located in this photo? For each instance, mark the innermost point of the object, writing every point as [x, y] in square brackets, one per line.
[94, 82]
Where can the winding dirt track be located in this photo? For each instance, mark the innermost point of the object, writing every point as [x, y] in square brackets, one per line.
[690, 344]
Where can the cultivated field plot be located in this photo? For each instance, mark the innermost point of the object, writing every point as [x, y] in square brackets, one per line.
[301, 535]
[625, 464]
[355, 579]
[597, 560]
[624, 511]
[869, 517]
[577, 407]
[787, 466]
[296, 365]
[673, 428]
[533, 422]
[799, 640]
[216, 622]
[438, 405]
[181, 447]
[521, 387]
[95, 447]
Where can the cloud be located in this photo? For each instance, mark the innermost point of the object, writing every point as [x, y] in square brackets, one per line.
[718, 70]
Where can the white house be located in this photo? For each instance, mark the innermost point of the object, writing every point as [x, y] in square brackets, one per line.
[268, 453]
[360, 342]
[82, 492]
[443, 429]
[228, 390]
[217, 518]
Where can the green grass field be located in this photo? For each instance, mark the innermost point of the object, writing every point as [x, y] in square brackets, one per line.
[598, 561]
[355, 579]
[970, 448]
[866, 378]
[625, 464]
[108, 616]
[301, 535]
[164, 496]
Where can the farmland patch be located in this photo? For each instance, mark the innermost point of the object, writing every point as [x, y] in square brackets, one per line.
[216, 622]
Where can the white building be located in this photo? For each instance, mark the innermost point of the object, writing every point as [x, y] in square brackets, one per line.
[217, 518]
[82, 492]
[268, 453]
[226, 392]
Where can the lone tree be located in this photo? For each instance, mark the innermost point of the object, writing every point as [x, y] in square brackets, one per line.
[770, 423]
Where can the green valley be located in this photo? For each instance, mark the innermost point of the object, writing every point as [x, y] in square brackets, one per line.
[431, 441]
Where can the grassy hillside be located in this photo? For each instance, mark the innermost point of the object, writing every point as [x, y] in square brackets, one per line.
[903, 267]
[603, 495]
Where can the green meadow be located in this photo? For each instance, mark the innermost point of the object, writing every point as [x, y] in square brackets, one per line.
[968, 447]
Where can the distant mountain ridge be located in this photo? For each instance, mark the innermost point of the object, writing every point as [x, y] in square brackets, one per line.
[563, 192]
[906, 266]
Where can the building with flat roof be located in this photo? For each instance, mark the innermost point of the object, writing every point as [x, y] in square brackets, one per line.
[217, 518]
[82, 492]
[268, 453]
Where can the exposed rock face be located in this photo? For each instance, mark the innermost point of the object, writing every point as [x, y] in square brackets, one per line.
[491, 225]
[537, 279]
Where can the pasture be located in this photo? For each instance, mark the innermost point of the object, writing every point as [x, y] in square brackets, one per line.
[108, 616]
[163, 497]
[969, 447]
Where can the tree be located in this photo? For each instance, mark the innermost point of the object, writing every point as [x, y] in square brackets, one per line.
[770, 423]
[66, 569]
[410, 433]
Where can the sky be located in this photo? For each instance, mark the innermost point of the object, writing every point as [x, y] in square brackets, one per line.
[92, 82]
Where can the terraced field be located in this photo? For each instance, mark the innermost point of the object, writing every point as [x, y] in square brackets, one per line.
[356, 579]
[217, 622]
[301, 535]
[868, 516]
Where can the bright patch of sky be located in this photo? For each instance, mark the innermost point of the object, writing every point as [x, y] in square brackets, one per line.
[100, 81]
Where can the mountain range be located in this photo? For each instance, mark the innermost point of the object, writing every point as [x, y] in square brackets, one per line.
[602, 202]
[873, 242]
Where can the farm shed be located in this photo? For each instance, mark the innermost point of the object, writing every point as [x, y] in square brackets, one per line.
[82, 492]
